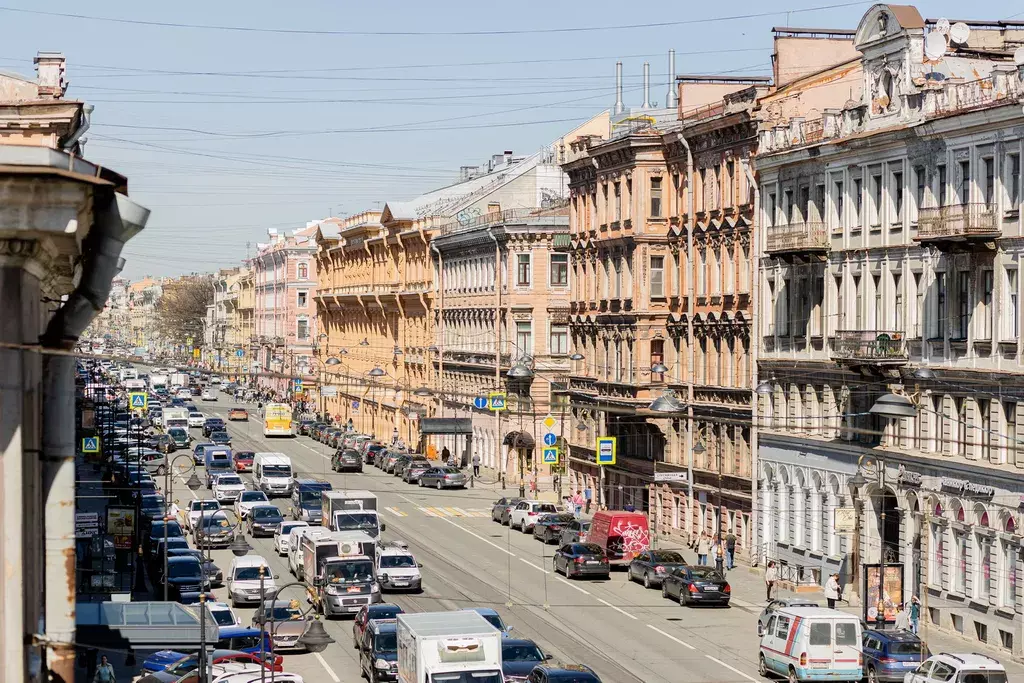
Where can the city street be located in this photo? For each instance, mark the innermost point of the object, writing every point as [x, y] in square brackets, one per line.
[624, 632]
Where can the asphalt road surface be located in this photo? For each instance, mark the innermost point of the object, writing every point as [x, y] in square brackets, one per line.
[625, 633]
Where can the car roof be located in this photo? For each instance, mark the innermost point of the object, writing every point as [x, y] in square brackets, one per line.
[820, 612]
[181, 559]
[394, 550]
[384, 625]
[250, 561]
[895, 636]
[973, 660]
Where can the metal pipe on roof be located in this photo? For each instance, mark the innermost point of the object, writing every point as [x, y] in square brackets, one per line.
[647, 86]
[671, 97]
[619, 106]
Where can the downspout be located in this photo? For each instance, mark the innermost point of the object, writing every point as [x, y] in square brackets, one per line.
[114, 223]
[690, 308]
[71, 145]
[498, 276]
[441, 331]
[755, 346]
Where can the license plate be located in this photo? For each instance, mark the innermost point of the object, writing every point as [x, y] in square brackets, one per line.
[712, 588]
[353, 589]
[819, 665]
[401, 583]
[593, 561]
[910, 665]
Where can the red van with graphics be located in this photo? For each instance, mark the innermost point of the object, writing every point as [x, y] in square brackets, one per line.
[622, 534]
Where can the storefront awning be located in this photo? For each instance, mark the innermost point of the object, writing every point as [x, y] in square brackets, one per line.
[446, 425]
[519, 440]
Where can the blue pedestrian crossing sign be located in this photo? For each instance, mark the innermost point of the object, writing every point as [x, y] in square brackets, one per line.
[91, 444]
[549, 440]
[606, 450]
[496, 400]
[550, 456]
[138, 400]
[480, 402]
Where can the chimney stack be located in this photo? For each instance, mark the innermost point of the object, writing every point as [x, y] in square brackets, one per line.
[647, 86]
[670, 98]
[619, 107]
[50, 68]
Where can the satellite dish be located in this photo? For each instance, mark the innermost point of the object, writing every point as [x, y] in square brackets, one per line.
[934, 46]
[959, 32]
[1018, 56]
[942, 27]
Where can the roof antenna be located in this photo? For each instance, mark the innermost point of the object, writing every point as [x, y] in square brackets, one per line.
[619, 106]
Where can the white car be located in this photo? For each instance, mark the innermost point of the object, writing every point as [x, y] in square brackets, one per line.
[397, 569]
[284, 529]
[244, 578]
[956, 668]
[199, 508]
[222, 614]
[208, 395]
[228, 487]
[246, 501]
[526, 513]
[196, 419]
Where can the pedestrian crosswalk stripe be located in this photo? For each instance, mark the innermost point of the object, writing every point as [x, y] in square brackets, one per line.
[448, 511]
[396, 512]
[431, 512]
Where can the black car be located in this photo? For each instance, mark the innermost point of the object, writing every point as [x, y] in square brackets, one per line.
[378, 651]
[155, 558]
[214, 531]
[221, 438]
[305, 426]
[562, 673]
[581, 559]
[346, 460]
[651, 566]
[184, 579]
[549, 527]
[696, 585]
[370, 455]
[214, 575]
[368, 613]
[213, 424]
[519, 657]
[263, 520]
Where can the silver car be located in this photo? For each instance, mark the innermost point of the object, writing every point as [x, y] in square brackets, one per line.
[443, 478]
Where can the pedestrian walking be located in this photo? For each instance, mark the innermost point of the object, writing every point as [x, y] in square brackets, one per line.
[771, 576]
[902, 619]
[832, 591]
[445, 455]
[476, 464]
[577, 502]
[730, 550]
[104, 672]
[915, 613]
[588, 496]
[703, 545]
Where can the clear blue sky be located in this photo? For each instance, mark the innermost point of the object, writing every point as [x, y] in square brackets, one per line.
[226, 133]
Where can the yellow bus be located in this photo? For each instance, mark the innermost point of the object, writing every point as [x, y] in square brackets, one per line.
[277, 420]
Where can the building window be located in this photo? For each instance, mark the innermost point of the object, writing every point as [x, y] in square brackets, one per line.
[963, 303]
[302, 298]
[805, 203]
[523, 270]
[618, 201]
[839, 201]
[655, 197]
[1013, 310]
[960, 562]
[770, 210]
[1010, 418]
[941, 304]
[919, 181]
[876, 200]
[897, 198]
[558, 343]
[788, 207]
[302, 328]
[657, 277]
[1013, 179]
[303, 271]
[858, 201]
[989, 167]
[942, 181]
[1008, 570]
[618, 277]
[964, 187]
[559, 270]
[524, 339]
[986, 304]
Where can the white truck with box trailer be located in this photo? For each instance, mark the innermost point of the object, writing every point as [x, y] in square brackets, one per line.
[456, 647]
[351, 511]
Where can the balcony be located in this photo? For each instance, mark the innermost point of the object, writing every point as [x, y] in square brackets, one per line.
[869, 347]
[962, 227]
[798, 239]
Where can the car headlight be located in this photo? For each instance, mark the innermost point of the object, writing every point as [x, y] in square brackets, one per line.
[374, 588]
[382, 664]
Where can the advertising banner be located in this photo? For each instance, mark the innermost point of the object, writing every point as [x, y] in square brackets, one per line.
[892, 591]
[121, 525]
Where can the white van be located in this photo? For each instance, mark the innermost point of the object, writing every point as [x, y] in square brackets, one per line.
[272, 473]
[812, 644]
[295, 557]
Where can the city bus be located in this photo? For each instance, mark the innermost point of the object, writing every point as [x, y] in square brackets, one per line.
[277, 420]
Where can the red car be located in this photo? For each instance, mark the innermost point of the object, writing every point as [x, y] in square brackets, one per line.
[243, 461]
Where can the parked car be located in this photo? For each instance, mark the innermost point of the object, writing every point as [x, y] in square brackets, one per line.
[696, 585]
[575, 532]
[346, 460]
[443, 478]
[526, 513]
[240, 414]
[781, 603]
[289, 623]
[222, 614]
[622, 534]
[580, 559]
[889, 655]
[414, 470]
[651, 566]
[243, 460]
[959, 668]
[369, 450]
[501, 506]
[304, 426]
[829, 640]
[549, 527]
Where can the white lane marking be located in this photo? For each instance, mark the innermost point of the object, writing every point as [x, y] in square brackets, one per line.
[330, 671]
[734, 670]
[617, 609]
[396, 512]
[570, 584]
[535, 566]
[671, 637]
[478, 537]
[430, 512]
[454, 512]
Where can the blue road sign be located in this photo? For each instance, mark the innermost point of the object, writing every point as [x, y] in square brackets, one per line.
[550, 456]
[496, 400]
[138, 400]
[239, 352]
[91, 444]
[606, 450]
[549, 440]
[480, 402]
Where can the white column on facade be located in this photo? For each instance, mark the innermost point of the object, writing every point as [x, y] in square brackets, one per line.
[799, 516]
[816, 511]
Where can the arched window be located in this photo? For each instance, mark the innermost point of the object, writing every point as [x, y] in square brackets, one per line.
[303, 271]
[938, 510]
[1010, 526]
[960, 514]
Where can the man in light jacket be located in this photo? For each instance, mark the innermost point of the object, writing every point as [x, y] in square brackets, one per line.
[833, 592]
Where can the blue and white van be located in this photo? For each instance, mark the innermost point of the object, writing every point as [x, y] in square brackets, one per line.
[812, 644]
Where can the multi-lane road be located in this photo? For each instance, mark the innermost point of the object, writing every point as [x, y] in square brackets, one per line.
[625, 633]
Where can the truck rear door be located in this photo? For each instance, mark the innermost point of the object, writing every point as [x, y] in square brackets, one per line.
[846, 653]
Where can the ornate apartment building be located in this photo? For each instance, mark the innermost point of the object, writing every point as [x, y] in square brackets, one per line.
[893, 247]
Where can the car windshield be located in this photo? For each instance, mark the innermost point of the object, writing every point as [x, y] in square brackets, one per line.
[223, 617]
[386, 642]
[356, 520]
[248, 496]
[248, 574]
[349, 572]
[983, 677]
[284, 613]
[452, 470]
[521, 653]
[546, 507]
[667, 556]
[195, 414]
[205, 505]
[907, 647]
[229, 480]
[180, 570]
[220, 437]
[180, 433]
[266, 513]
[495, 621]
[307, 496]
[244, 455]
[593, 548]
[572, 677]
[705, 574]
[277, 470]
[393, 561]
[216, 521]
[152, 503]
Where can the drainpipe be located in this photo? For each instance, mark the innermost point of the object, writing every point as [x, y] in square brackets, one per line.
[441, 331]
[114, 223]
[72, 142]
[690, 308]
[498, 273]
[755, 288]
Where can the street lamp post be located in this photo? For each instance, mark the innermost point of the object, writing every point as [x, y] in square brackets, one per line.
[193, 484]
[315, 638]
